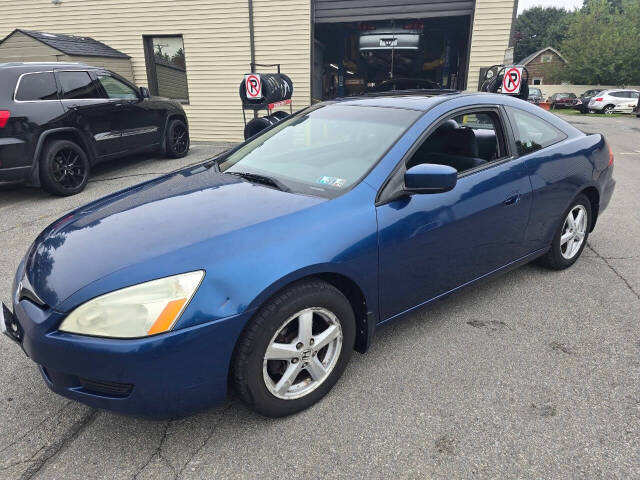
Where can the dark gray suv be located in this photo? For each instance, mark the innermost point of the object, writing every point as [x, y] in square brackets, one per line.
[57, 120]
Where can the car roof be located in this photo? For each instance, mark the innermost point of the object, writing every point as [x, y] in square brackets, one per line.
[410, 100]
[421, 100]
[34, 66]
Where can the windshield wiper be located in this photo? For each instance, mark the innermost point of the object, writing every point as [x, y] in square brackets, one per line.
[263, 179]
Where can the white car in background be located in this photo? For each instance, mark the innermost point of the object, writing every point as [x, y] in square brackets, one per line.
[611, 101]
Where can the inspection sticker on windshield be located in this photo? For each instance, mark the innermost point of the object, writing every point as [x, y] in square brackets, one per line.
[332, 181]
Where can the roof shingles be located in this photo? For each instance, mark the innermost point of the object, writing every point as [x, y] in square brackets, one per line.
[75, 46]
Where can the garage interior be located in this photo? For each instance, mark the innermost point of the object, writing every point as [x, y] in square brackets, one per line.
[379, 45]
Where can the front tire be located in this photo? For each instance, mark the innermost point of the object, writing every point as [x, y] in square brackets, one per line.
[294, 349]
[571, 237]
[64, 168]
[177, 142]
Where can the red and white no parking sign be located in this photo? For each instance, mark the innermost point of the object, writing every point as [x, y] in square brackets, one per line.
[512, 80]
[253, 86]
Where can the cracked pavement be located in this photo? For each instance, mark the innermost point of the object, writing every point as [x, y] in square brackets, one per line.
[532, 374]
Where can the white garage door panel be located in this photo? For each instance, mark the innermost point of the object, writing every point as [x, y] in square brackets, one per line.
[333, 11]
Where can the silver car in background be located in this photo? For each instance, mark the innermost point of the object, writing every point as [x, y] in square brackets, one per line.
[388, 37]
[612, 101]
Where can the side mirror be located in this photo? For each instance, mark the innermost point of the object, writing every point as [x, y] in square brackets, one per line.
[430, 178]
[144, 92]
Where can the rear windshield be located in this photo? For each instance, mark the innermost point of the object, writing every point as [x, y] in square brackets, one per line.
[324, 150]
[37, 86]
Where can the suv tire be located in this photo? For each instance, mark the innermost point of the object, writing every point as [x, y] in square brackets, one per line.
[177, 139]
[64, 168]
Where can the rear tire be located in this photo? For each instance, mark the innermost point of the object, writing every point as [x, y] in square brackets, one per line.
[608, 110]
[177, 140]
[64, 168]
[570, 238]
[305, 366]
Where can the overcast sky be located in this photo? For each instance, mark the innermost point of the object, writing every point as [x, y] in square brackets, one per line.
[568, 4]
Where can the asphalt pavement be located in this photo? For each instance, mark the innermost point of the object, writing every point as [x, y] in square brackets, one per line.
[535, 374]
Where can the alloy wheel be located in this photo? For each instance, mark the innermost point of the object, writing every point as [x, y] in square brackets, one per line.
[303, 353]
[68, 168]
[573, 232]
[180, 139]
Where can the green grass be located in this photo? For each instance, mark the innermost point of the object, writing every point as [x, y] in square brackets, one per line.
[568, 111]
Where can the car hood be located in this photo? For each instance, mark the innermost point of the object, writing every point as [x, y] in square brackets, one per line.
[147, 222]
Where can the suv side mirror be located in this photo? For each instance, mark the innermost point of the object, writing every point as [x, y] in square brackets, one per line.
[144, 92]
[430, 178]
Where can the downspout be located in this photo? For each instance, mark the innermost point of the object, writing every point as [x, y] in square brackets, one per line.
[252, 44]
[252, 41]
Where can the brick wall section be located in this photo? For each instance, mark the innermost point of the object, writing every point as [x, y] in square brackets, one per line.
[539, 69]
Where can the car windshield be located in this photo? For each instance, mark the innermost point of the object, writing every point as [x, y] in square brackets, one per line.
[535, 91]
[323, 150]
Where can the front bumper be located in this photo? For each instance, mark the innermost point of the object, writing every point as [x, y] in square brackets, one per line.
[164, 376]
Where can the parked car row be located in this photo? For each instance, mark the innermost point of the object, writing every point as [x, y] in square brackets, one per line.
[58, 120]
[591, 101]
[612, 101]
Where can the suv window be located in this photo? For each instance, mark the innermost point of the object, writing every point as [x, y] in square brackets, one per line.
[37, 86]
[618, 94]
[78, 85]
[117, 89]
[533, 133]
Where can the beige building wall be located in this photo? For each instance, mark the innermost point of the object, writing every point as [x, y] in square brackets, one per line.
[216, 44]
[283, 35]
[22, 48]
[122, 66]
[490, 36]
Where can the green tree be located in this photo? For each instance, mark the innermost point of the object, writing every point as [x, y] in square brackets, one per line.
[613, 4]
[537, 28]
[602, 45]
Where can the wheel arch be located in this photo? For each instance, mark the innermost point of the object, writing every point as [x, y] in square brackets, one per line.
[363, 307]
[172, 115]
[63, 133]
[593, 195]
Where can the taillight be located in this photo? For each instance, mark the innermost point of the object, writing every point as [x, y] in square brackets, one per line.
[417, 25]
[599, 99]
[610, 157]
[366, 26]
[4, 117]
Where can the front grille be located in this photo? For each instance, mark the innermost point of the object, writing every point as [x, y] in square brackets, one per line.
[112, 389]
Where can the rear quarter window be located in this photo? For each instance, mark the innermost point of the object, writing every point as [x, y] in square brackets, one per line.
[78, 85]
[532, 133]
[36, 86]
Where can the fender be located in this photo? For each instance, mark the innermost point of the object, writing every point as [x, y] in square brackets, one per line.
[366, 322]
[170, 115]
[34, 176]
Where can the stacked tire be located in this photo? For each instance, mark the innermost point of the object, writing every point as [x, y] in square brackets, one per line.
[259, 124]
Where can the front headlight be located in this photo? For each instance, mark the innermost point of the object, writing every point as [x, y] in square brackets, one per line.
[145, 309]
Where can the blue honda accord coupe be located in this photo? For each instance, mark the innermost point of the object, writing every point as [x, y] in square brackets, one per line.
[264, 268]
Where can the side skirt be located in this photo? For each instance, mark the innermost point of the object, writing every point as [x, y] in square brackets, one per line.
[510, 266]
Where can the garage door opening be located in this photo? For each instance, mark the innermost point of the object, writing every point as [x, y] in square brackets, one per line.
[351, 58]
